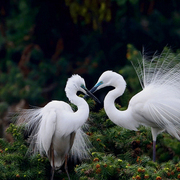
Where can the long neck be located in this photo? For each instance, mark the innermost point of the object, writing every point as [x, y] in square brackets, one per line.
[82, 114]
[121, 118]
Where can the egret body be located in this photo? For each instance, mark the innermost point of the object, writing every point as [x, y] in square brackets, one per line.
[55, 127]
[156, 106]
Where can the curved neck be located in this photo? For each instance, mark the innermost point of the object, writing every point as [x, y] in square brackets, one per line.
[109, 101]
[82, 113]
[121, 118]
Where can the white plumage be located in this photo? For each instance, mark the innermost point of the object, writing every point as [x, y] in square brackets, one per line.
[157, 105]
[55, 127]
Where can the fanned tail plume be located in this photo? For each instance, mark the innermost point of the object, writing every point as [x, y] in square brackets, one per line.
[160, 69]
[160, 79]
[32, 119]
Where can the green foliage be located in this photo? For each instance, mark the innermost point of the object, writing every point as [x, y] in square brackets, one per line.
[19, 22]
[16, 163]
[119, 153]
[104, 29]
[15, 86]
[94, 12]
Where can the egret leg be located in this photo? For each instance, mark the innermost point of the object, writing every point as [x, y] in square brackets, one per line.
[53, 167]
[66, 168]
[155, 132]
[52, 173]
[154, 151]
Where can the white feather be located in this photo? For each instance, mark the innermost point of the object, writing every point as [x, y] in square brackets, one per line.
[55, 123]
[157, 105]
[160, 80]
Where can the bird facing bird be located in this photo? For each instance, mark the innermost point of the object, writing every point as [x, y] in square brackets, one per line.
[156, 106]
[55, 127]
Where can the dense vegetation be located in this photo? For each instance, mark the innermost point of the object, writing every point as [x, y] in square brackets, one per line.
[43, 42]
[116, 153]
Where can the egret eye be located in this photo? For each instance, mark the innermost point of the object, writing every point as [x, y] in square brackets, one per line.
[83, 86]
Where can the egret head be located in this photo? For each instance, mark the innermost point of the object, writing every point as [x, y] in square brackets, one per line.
[109, 78]
[76, 83]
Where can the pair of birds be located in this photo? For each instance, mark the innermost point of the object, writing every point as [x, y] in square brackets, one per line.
[56, 126]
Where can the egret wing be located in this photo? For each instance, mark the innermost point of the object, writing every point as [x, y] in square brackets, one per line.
[46, 131]
[164, 114]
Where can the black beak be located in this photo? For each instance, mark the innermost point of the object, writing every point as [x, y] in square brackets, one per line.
[91, 95]
[91, 91]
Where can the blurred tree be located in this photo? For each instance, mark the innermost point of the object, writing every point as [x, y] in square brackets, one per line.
[50, 40]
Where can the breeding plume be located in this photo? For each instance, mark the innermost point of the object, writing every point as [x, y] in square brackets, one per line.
[156, 106]
[55, 127]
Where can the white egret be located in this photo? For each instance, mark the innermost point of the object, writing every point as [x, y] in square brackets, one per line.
[156, 106]
[55, 127]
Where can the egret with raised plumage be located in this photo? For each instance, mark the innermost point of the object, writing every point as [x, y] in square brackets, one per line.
[156, 106]
[55, 129]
